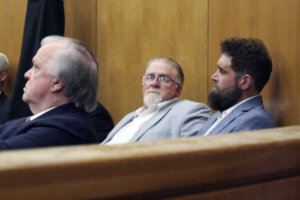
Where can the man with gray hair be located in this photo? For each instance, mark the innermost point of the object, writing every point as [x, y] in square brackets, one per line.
[61, 89]
[163, 115]
[4, 68]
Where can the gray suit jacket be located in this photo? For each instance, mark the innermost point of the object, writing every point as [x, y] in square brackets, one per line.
[249, 115]
[177, 119]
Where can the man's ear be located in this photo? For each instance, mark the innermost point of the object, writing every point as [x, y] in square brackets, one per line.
[3, 76]
[57, 85]
[245, 82]
[179, 89]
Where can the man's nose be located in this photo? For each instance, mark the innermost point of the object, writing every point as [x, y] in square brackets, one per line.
[27, 74]
[214, 77]
[155, 83]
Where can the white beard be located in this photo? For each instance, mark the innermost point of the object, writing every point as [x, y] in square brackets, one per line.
[152, 97]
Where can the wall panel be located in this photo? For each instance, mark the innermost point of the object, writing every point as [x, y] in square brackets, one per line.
[12, 18]
[132, 32]
[277, 23]
[80, 21]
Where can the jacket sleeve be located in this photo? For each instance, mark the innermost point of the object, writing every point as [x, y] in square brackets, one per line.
[195, 117]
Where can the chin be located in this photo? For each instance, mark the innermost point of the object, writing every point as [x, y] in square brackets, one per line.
[24, 98]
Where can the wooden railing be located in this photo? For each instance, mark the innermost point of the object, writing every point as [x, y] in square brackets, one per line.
[256, 165]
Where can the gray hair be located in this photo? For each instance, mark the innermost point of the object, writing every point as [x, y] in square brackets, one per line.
[77, 67]
[173, 63]
[4, 64]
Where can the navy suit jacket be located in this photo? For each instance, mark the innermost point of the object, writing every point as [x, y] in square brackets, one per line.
[249, 115]
[63, 125]
[3, 100]
[3, 106]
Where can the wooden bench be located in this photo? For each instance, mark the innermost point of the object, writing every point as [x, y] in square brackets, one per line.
[256, 165]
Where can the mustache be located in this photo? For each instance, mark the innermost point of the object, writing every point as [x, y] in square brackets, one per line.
[215, 86]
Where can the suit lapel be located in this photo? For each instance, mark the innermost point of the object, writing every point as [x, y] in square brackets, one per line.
[208, 124]
[151, 122]
[226, 121]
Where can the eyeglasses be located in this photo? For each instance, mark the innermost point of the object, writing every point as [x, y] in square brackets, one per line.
[163, 79]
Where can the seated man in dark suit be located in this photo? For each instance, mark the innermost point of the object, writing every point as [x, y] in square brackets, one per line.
[243, 70]
[4, 68]
[61, 88]
[164, 115]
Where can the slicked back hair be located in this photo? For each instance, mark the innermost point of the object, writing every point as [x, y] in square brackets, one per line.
[77, 67]
[249, 56]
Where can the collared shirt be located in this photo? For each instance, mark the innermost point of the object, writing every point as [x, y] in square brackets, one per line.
[40, 113]
[141, 115]
[223, 114]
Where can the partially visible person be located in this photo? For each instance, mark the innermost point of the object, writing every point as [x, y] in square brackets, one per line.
[4, 69]
[61, 88]
[244, 68]
[163, 115]
[101, 121]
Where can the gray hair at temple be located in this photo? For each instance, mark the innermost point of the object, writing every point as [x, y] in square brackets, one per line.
[4, 64]
[77, 67]
[173, 63]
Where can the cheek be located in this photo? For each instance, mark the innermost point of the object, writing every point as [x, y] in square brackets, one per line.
[168, 92]
[225, 84]
[39, 84]
[145, 87]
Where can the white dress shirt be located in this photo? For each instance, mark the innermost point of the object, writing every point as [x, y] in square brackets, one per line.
[141, 116]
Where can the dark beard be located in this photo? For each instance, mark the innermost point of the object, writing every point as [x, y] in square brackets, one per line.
[224, 100]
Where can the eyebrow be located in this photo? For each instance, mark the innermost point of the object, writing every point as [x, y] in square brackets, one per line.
[222, 68]
[157, 75]
[219, 67]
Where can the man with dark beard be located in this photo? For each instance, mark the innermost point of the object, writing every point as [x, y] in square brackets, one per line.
[163, 114]
[243, 70]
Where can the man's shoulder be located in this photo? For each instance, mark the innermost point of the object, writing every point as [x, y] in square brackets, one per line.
[64, 117]
[257, 112]
[252, 107]
[256, 117]
[187, 104]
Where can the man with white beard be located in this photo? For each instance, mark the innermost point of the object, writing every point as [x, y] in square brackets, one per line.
[163, 115]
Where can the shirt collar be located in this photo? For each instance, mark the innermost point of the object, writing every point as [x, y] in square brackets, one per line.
[40, 113]
[226, 112]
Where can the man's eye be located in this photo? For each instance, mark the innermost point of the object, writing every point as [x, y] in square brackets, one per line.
[164, 78]
[150, 77]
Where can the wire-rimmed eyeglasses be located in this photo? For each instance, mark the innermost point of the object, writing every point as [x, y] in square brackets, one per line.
[162, 79]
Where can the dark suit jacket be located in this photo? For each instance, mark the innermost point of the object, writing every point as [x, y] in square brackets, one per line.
[249, 115]
[101, 121]
[3, 105]
[63, 125]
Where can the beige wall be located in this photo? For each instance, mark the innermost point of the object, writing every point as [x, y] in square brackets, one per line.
[125, 34]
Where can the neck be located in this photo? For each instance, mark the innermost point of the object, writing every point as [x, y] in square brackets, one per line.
[247, 95]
